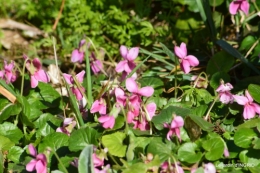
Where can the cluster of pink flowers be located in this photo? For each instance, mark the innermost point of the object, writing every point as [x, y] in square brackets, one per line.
[98, 161]
[78, 55]
[77, 90]
[225, 96]
[9, 74]
[39, 163]
[237, 5]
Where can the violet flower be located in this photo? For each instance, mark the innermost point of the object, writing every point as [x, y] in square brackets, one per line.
[250, 108]
[132, 87]
[77, 91]
[236, 5]
[78, 54]
[129, 56]
[36, 72]
[209, 168]
[185, 60]
[175, 126]
[68, 125]
[95, 64]
[39, 163]
[99, 106]
[224, 93]
[107, 121]
[8, 74]
[166, 168]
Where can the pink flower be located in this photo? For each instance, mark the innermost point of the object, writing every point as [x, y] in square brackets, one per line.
[175, 126]
[77, 91]
[68, 125]
[39, 163]
[209, 168]
[120, 97]
[95, 64]
[186, 60]
[224, 93]
[226, 152]
[250, 108]
[132, 87]
[107, 121]
[99, 106]
[150, 111]
[166, 168]
[8, 74]
[236, 5]
[77, 55]
[97, 161]
[128, 64]
[36, 72]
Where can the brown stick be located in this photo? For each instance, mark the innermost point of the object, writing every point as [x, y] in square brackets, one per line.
[7, 94]
[58, 17]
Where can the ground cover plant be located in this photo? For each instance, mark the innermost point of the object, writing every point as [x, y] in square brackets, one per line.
[132, 87]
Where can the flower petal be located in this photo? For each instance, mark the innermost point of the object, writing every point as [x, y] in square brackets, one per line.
[209, 168]
[123, 51]
[192, 60]
[132, 54]
[256, 107]
[245, 7]
[185, 66]
[77, 56]
[151, 108]
[242, 100]
[121, 66]
[31, 165]
[37, 63]
[131, 85]
[181, 51]
[80, 76]
[32, 150]
[68, 78]
[146, 91]
[249, 97]
[233, 7]
[41, 167]
[34, 82]
[249, 112]
[42, 76]
[177, 122]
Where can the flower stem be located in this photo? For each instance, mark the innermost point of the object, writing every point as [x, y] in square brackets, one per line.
[89, 84]
[22, 84]
[211, 106]
[61, 164]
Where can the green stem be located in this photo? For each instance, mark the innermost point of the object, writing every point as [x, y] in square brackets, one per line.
[89, 84]
[211, 106]
[175, 79]
[22, 84]
[62, 165]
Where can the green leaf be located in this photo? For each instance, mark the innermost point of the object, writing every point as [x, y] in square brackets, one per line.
[54, 141]
[202, 123]
[216, 77]
[220, 62]
[214, 147]
[249, 124]
[84, 137]
[44, 97]
[11, 131]
[26, 111]
[186, 153]
[114, 143]
[154, 82]
[243, 137]
[228, 48]
[5, 143]
[47, 124]
[163, 150]
[85, 160]
[166, 116]
[215, 3]
[256, 143]
[247, 43]
[168, 52]
[120, 121]
[15, 153]
[254, 91]
[1, 163]
[136, 168]
[8, 109]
